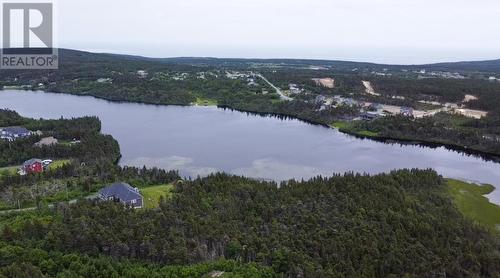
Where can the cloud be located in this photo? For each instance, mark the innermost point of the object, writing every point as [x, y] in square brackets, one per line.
[183, 164]
[271, 169]
[375, 30]
[168, 163]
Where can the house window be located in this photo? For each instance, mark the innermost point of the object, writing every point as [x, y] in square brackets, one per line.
[133, 201]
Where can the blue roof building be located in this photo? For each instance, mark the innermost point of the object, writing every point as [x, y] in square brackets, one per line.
[11, 133]
[123, 193]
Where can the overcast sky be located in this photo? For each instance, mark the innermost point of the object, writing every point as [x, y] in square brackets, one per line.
[388, 31]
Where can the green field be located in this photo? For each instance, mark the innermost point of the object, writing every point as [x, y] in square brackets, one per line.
[350, 127]
[470, 200]
[152, 194]
[58, 163]
[340, 125]
[8, 171]
[205, 102]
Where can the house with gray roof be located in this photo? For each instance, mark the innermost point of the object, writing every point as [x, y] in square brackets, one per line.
[123, 193]
[12, 133]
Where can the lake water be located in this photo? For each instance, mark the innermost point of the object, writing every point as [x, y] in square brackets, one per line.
[201, 140]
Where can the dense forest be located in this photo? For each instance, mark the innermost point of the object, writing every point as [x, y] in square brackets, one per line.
[21, 262]
[390, 225]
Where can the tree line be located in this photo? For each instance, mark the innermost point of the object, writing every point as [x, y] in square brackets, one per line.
[396, 224]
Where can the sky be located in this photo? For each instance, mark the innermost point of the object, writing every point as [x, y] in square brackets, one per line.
[385, 31]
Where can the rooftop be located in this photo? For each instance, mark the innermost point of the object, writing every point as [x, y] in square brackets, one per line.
[123, 191]
[32, 161]
[15, 130]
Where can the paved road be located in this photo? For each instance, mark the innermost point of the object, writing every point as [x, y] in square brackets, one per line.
[278, 90]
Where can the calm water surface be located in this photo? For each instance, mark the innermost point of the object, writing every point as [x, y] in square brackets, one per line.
[201, 140]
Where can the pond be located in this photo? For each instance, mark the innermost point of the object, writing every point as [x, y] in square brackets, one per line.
[200, 140]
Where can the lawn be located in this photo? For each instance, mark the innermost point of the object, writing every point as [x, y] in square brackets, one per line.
[350, 127]
[9, 171]
[340, 125]
[205, 102]
[58, 163]
[470, 200]
[152, 194]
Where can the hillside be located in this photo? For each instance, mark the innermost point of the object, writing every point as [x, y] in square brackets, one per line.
[68, 57]
[395, 224]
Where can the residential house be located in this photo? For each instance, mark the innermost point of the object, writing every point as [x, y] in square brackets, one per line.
[345, 101]
[252, 83]
[142, 73]
[320, 99]
[294, 89]
[123, 193]
[14, 132]
[407, 111]
[34, 165]
[370, 115]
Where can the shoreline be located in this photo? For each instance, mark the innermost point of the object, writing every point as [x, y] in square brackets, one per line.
[487, 156]
[386, 140]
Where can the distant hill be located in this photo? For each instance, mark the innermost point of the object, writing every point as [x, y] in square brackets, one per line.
[485, 66]
[482, 66]
[68, 56]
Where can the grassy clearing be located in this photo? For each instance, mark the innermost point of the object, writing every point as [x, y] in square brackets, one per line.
[205, 102]
[58, 163]
[152, 194]
[470, 200]
[367, 133]
[340, 125]
[350, 127]
[9, 171]
[64, 196]
[64, 142]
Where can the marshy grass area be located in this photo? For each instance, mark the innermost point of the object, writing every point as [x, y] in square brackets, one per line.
[351, 128]
[470, 200]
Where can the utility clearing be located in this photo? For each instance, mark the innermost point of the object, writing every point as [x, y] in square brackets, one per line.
[369, 88]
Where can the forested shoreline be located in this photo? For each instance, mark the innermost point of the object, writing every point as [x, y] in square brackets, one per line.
[179, 82]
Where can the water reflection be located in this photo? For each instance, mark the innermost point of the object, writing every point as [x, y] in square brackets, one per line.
[201, 140]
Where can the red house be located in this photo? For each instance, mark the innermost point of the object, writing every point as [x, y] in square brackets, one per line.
[34, 165]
